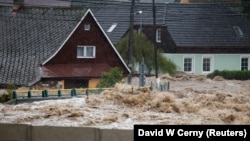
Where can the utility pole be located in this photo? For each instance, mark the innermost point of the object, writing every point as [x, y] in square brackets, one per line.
[131, 42]
[155, 49]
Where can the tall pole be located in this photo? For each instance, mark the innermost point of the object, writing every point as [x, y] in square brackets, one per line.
[140, 12]
[131, 42]
[155, 48]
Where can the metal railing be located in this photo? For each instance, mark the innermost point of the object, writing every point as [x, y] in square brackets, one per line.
[57, 92]
[23, 96]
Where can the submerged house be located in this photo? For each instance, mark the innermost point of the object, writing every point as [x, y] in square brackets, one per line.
[69, 47]
[198, 38]
[54, 47]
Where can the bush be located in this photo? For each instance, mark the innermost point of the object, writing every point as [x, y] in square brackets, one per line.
[9, 96]
[10, 88]
[237, 75]
[109, 79]
[4, 98]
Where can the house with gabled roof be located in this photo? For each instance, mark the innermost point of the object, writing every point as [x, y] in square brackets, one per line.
[208, 37]
[56, 47]
[198, 38]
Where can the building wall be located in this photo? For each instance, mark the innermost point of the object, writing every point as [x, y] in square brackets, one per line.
[218, 61]
[60, 84]
[105, 54]
[167, 44]
[93, 37]
[93, 83]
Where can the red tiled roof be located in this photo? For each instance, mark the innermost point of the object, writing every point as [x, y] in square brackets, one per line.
[73, 70]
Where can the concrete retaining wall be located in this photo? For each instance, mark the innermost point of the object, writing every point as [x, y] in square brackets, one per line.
[14, 132]
[116, 135]
[25, 132]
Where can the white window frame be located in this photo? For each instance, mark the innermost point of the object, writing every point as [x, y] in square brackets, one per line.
[238, 31]
[85, 51]
[211, 63]
[192, 63]
[158, 35]
[245, 56]
[86, 26]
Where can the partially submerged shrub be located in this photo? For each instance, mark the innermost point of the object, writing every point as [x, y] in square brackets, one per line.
[235, 74]
[8, 96]
[109, 79]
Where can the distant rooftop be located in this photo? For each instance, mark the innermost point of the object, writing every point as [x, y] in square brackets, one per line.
[188, 24]
[60, 3]
[28, 38]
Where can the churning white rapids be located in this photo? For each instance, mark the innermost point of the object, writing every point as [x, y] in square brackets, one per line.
[190, 100]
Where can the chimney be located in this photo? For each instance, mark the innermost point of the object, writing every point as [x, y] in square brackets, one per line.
[185, 1]
[17, 4]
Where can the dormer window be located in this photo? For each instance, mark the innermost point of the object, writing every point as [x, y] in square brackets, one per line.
[86, 26]
[158, 35]
[238, 31]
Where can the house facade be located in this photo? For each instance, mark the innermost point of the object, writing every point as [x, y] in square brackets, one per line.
[69, 47]
[198, 38]
[208, 37]
[83, 57]
[54, 47]
[207, 63]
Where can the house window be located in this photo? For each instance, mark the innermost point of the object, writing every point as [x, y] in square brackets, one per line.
[86, 26]
[158, 35]
[238, 31]
[245, 63]
[85, 51]
[207, 64]
[188, 64]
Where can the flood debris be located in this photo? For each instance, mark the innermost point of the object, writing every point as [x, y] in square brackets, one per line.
[191, 100]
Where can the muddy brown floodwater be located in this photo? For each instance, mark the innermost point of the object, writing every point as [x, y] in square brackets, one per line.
[190, 100]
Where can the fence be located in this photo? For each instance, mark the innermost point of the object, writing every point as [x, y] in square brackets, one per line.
[21, 96]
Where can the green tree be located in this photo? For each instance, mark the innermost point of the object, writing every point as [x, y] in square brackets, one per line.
[109, 79]
[143, 50]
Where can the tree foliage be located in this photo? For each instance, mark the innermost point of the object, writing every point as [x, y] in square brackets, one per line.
[9, 96]
[143, 51]
[109, 79]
